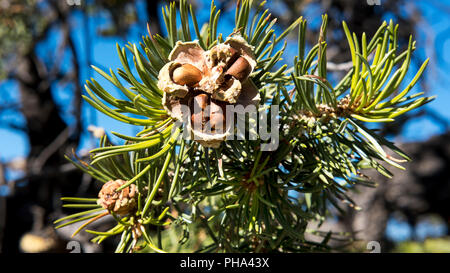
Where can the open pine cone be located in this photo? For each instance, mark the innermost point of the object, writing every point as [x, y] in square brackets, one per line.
[121, 202]
[207, 81]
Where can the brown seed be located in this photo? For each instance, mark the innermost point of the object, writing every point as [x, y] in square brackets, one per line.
[197, 121]
[240, 69]
[186, 74]
[217, 117]
[201, 101]
[198, 117]
[234, 55]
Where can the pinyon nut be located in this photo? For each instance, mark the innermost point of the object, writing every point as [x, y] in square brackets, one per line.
[201, 101]
[205, 110]
[186, 74]
[197, 120]
[240, 69]
[217, 117]
[198, 117]
[234, 55]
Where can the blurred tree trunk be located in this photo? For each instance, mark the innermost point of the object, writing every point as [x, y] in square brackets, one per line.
[152, 14]
[49, 139]
[46, 176]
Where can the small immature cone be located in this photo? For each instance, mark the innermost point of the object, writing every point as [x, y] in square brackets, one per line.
[121, 202]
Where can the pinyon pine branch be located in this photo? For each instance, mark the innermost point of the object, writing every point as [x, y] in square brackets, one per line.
[236, 196]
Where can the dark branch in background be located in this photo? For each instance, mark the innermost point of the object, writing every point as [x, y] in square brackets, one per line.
[51, 149]
[152, 13]
[88, 51]
[49, 172]
[48, 135]
[63, 16]
[10, 106]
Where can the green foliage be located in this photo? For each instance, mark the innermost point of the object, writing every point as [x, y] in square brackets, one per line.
[244, 199]
[19, 24]
[430, 245]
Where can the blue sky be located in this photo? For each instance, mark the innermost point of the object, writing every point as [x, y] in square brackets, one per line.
[433, 40]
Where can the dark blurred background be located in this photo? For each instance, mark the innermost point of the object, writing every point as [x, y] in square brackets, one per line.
[47, 46]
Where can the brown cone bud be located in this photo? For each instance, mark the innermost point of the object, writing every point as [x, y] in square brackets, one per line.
[118, 202]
